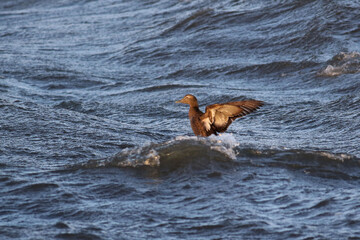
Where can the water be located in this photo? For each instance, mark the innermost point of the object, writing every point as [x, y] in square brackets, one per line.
[92, 145]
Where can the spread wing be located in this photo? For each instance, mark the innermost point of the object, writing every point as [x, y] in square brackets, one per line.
[219, 116]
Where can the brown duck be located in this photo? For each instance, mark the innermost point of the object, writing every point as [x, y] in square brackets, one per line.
[217, 117]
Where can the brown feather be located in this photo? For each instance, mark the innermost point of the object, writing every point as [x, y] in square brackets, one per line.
[217, 117]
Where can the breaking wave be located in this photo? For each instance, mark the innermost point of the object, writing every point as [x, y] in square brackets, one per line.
[179, 149]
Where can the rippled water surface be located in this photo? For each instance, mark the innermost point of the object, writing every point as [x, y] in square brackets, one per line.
[93, 146]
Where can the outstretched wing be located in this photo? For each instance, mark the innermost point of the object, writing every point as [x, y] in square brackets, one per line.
[219, 116]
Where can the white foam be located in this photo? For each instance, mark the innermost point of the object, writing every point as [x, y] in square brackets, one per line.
[152, 158]
[225, 138]
[182, 138]
[332, 71]
[224, 143]
[338, 157]
[342, 63]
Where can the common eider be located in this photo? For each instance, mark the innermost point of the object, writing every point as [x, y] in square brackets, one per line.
[217, 117]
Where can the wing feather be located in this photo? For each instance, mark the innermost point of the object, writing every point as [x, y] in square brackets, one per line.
[220, 116]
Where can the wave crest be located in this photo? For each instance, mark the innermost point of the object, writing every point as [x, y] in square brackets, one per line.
[342, 63]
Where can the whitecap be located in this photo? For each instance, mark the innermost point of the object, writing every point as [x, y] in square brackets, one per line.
[342, 63]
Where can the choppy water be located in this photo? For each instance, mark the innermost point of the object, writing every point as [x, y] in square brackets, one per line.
[92, 145]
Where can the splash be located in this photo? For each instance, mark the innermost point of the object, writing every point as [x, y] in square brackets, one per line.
[342, 63]
[223, 143]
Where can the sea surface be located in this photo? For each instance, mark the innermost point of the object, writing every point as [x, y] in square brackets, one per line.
[93, 146]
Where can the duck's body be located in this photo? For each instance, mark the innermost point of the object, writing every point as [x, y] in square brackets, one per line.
[217, 117]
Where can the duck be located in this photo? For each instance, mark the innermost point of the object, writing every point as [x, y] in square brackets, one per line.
[217, 117]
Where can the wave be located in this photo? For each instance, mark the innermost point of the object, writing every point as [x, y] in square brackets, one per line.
[166, 87]
[224, 152]
[282, 67]
[191, 21]
[35, 187]
[342, 63]
[177, 151]
[314, 163]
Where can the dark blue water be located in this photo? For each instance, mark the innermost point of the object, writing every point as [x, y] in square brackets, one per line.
[93, 146]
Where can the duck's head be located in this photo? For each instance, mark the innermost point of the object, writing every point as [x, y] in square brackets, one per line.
[189, 99]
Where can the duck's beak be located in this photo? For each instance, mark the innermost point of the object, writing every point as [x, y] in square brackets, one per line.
[180, 101]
